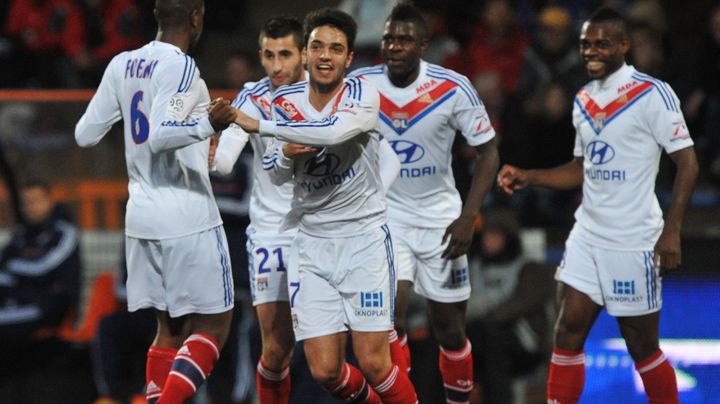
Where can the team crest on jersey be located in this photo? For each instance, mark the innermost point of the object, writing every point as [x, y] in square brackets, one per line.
[261, 284]
[599, 121]
[399, 120]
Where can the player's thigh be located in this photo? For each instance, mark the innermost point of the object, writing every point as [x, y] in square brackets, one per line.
[630, 283]
[315, 302]
[579, 270]
[437, 278]
[268, 265]
[144, 262]
[198, 275]
[404, 256]
[368, 273]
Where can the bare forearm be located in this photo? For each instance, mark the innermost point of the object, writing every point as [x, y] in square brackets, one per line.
[566, 176]
[683, 185]
[486, 166]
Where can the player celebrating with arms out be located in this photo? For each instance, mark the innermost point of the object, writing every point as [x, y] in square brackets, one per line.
[619, 247]
[175, 244]
[421, 108]
[342, 252]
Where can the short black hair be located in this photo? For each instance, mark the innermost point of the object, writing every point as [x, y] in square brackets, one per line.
[173, 13]
[335, 18]
[36, 182]
[609, 15]
[405, 11]
[280, 27]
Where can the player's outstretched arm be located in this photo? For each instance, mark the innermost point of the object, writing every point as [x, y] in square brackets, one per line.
[102, 112]
[667, 252]
[461, 231]
[566, 176]
[227, 150]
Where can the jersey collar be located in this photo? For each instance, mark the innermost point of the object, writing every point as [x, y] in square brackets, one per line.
[616, 79]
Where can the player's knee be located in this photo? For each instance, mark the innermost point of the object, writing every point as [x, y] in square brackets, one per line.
[374, 367]
[326, 376]
[276, 354]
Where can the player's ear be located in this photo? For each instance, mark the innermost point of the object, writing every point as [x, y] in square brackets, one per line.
[303, 57]
[349, 60]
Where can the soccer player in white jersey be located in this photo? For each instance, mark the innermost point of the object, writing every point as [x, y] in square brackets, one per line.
[342, 252]
[268, 247]
[421, 108]
[619, 247]
[175, 244]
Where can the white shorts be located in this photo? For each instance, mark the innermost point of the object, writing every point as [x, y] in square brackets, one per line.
[183, 275]
[268, 258]
[342, 283]
[625, 282]
[418, 259]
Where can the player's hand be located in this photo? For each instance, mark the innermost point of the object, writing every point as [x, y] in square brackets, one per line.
[213, 147]
[667, 251]
[248, 124]
[221, 114]
[460, 233]
[292, 150]
[511, 179]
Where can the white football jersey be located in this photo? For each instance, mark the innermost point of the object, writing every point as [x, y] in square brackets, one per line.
[420, 122]
[158, 93]
[338, 191]
[269, 203]
[622, 124]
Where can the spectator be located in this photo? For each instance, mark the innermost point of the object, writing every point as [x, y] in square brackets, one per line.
[553, 57]
[112, 27]
[48, 34]
[497, 45]
[39, 271]
[508, 313]
[119, 348]
[240, 68]
[702, 106]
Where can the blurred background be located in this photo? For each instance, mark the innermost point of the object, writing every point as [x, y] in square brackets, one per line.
[522, 57]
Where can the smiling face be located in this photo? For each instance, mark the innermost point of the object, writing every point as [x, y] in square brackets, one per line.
[282, 60]
[401, 47]
[328, 55]
[603, 48]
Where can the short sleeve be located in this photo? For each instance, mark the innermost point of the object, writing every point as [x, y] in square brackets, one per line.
[665, 119]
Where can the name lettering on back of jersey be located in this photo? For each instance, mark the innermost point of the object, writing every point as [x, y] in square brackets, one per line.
[599, 117]
[402, 118]
[140, 68]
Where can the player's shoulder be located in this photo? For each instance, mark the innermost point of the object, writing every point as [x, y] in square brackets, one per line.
[290, 90]
[453, 78]
[369, 73]
[663, 93]
[260, 88]
[358, 88]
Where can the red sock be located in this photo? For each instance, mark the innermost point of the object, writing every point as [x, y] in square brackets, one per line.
[396, 351]
[567, 376]
[456, 368]
[395, 388]
[353, 387]
[157, 367]
[406, 351]
[658, 377]
[191, 367]
[272, 386]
